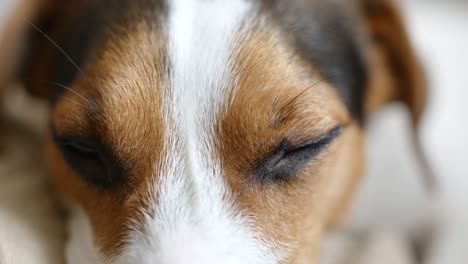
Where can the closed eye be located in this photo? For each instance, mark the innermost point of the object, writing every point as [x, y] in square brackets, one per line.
[89, 159]
[287, 159]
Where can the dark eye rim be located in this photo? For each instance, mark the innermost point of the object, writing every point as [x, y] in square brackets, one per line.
[90, 159]
[288, 159]
[83, 145]
[78, 147]
[321, 141]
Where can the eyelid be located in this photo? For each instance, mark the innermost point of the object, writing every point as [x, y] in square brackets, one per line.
[328, 136]
[288, 159]
[84, 144]
[90, 159]
[78, 145]
[336, 131]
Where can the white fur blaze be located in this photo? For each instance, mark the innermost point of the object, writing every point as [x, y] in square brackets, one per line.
[194, 219]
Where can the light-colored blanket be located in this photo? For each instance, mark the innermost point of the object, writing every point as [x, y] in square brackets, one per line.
[32, 230]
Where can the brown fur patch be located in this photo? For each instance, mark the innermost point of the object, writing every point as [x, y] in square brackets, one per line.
[396, 71]
[281, 97]
[13, 32]
[123, 89]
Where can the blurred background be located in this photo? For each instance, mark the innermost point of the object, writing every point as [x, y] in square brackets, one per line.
[392, 195]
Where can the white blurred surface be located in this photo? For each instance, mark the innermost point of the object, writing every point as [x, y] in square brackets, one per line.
[5, 7]
[392, 194]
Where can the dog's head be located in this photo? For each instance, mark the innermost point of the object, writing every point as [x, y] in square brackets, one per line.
[222, 131]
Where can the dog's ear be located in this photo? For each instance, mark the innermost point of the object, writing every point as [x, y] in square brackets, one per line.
[395, 71]
[12, 34]
[39, 48]
[396, 74]
[57, 43]
[16, 25]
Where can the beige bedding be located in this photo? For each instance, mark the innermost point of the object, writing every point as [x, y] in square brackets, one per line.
[32, 230]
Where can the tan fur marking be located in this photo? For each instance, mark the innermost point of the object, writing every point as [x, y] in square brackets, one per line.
[279, 96]
[124, 86]
[397, 73]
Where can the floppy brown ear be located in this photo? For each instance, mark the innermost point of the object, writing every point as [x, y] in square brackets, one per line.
[58, 44]
[15, 34]
[396, 73]
[12, 34]
[39, 48]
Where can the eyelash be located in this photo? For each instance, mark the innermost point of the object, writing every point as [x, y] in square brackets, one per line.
[287, 160]
[90, 161]
[279, 166]
[78, 148]
[322, 141]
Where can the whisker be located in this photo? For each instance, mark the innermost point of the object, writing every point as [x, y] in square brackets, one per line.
[299, 95]
[86, 100]
[70, 59]
[64, 87]
[73, 91]
[62, 51]
[72, 101]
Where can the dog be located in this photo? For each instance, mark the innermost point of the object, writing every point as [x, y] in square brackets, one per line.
[211, 131]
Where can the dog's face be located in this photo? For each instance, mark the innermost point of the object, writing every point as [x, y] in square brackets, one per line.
[209, 131]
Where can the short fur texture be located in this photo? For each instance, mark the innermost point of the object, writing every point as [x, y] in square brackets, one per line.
[178, 102]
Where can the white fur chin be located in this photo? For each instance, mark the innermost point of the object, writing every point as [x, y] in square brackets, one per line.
[193, 219]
